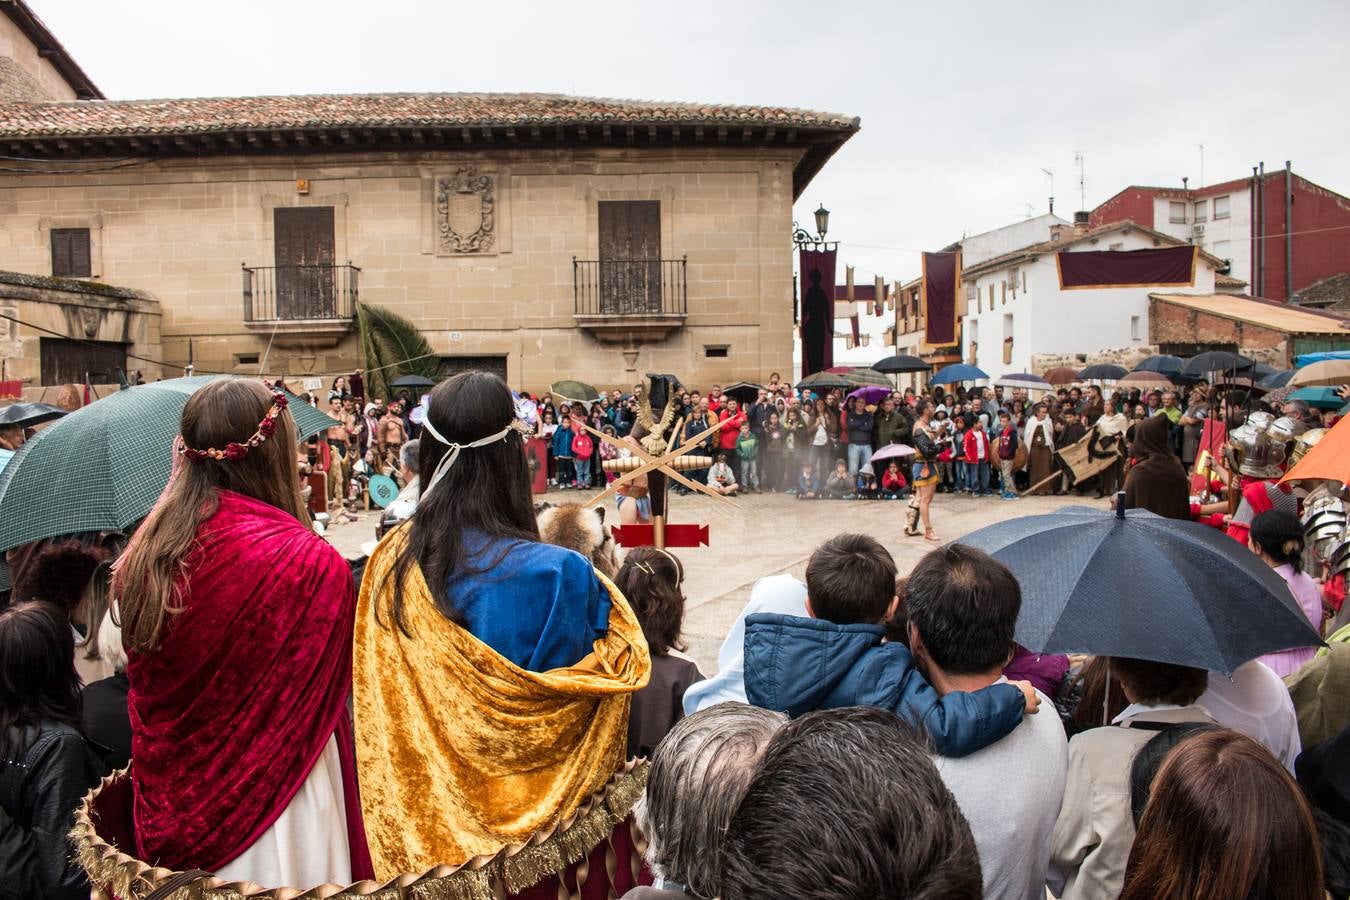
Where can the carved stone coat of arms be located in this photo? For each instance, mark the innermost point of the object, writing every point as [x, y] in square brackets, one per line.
[465, 220]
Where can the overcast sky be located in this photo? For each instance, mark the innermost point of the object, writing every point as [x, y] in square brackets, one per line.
[962, 105]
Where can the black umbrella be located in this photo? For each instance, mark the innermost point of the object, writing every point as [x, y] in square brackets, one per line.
[1261, 370]
[1141, 586]
[1163, 364]
[26, 415]
[901, 363]
[1215, 361]
[1277, 380]
[414, 381]
[1103, 372]
[743, 391]
[824, 381]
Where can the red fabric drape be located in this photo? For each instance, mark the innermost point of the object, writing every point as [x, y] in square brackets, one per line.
[817, 329]
[1160, 267]
[941, 284]
[231, 712]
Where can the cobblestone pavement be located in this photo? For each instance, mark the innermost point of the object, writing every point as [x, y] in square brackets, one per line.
[765, 534]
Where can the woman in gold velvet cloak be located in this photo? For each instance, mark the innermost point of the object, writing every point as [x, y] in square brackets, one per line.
[492, 673]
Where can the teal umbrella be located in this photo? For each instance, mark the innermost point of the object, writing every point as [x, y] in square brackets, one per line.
[1319, 397]
[102, 467]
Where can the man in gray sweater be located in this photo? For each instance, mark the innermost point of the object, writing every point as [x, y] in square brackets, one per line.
[962, 605]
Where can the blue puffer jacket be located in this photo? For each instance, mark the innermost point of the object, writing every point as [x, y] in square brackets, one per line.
[795, 665]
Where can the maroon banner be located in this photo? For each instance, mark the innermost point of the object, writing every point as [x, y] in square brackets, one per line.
[1158, 267]
[817, 285]
[676, 535]
[940, 286]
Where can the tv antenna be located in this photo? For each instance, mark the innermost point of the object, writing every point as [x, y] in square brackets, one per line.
[1202, 165]
[1081, 163]
[1049, 173]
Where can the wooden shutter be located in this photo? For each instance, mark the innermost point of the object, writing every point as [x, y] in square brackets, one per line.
[70, 253]
[630, 256]
[304, 258]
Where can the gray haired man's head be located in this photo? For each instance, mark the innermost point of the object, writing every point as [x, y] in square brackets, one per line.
[699, 772]
[407, 455]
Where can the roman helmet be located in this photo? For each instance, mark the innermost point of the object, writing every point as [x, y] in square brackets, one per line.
[1257, 451]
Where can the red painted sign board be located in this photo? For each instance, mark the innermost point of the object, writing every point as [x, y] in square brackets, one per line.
[676, 535]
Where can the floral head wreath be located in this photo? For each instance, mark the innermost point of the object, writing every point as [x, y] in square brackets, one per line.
[232, 451]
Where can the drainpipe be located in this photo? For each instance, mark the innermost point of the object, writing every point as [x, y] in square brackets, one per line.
[1288, 233]
[1261, 230]
[1251, 217]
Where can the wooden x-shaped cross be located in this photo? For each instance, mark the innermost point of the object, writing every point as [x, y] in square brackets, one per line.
[651, 463]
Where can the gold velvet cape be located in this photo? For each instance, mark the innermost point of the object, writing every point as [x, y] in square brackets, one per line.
[459, 751]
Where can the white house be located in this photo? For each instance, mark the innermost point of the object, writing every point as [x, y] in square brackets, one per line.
[1016, 312]
[979, 248]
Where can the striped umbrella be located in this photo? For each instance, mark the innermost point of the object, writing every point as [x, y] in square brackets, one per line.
[102, 467]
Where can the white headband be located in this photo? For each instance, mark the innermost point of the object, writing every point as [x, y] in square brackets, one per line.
[452, 454]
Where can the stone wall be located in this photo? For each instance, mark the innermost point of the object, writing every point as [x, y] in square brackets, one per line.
[24, 74]
[180, 230]
[47, 307]
[1172, 324]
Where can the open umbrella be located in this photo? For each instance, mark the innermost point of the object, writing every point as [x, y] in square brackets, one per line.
[862, 375]
[1331, 372]
[901, 363]
[1137, 585]
[1320, 397]
[26, 415]
[1024, 380]
[743, 391]
[1144, 380]
[574, 390]
[1161, 363]
[894, 451]
[1061, 375]
[102, 467]
[956, 373]
[1329, 459]
[1103, 372]
[1215, 361]
[1277, 380]
[871, 394]
[413, 381]
[824, 381]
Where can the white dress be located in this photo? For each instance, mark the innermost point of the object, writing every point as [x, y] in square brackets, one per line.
[307, 845]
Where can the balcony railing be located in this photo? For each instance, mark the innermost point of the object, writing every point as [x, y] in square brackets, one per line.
[630, 287]
[300, 293]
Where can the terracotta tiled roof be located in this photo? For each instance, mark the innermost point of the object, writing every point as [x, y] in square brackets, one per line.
[223, 114]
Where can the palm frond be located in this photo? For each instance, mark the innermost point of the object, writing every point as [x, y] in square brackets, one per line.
[393, 346]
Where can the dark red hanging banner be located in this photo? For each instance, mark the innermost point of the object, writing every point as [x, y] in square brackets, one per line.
[1160, 267]
[941, 285]
[817, 326]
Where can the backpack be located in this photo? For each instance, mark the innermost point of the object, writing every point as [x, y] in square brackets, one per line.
[582, 445]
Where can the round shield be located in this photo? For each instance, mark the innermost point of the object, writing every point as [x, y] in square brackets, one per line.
[383, 490]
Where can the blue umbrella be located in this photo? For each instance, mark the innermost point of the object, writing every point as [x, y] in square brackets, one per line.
[957, 372]
[1320, 397]
[1276, 380]
[1141, 586]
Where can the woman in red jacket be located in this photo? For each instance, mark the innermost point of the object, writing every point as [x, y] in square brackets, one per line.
[732, 419]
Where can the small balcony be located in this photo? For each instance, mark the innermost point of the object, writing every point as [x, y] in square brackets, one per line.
[310, 305]
[630, 300]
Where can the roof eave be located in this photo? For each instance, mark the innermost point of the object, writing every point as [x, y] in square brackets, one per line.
[50, 49]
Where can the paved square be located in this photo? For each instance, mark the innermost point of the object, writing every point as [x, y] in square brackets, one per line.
[765, 534]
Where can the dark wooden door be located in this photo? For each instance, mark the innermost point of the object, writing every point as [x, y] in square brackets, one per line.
[453, 365]
[304, 260]
[630, 256]
[70, 362]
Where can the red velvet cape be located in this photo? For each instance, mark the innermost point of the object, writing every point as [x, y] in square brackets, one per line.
[233, 709]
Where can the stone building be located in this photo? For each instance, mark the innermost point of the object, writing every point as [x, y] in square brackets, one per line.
[1263, 330]
[537, 236]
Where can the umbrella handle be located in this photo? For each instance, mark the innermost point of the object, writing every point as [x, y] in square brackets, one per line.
[1120, 504]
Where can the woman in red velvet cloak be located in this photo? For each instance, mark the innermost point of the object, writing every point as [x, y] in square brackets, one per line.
[237, 621]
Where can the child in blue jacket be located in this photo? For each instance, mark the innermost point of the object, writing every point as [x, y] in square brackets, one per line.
[837, 657]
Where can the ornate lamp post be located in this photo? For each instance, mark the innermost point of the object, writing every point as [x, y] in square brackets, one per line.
[803, 239]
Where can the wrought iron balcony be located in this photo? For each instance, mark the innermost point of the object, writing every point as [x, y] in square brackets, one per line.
[630, 299]
[303, 302]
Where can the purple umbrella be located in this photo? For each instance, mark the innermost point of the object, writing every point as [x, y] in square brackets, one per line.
[894, 451]
[872, 393]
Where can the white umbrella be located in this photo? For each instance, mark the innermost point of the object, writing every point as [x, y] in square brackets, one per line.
[1024, 380]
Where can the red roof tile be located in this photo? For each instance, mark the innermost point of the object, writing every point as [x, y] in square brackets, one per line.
[221, 114]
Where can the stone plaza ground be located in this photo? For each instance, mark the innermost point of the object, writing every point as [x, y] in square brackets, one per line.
[765, 534]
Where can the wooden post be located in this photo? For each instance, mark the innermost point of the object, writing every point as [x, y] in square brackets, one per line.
[657, 485]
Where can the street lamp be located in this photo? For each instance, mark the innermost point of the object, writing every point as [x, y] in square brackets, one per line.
[804, 239]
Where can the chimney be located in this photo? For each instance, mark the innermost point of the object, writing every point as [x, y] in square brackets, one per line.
[1081, 223]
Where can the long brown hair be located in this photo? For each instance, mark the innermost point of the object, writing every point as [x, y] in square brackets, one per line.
[651, 580]
[149, 581]
[1225, 821]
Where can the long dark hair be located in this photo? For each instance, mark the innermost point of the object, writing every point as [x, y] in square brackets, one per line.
[486, 489]
[150, 578]
[38, 682]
